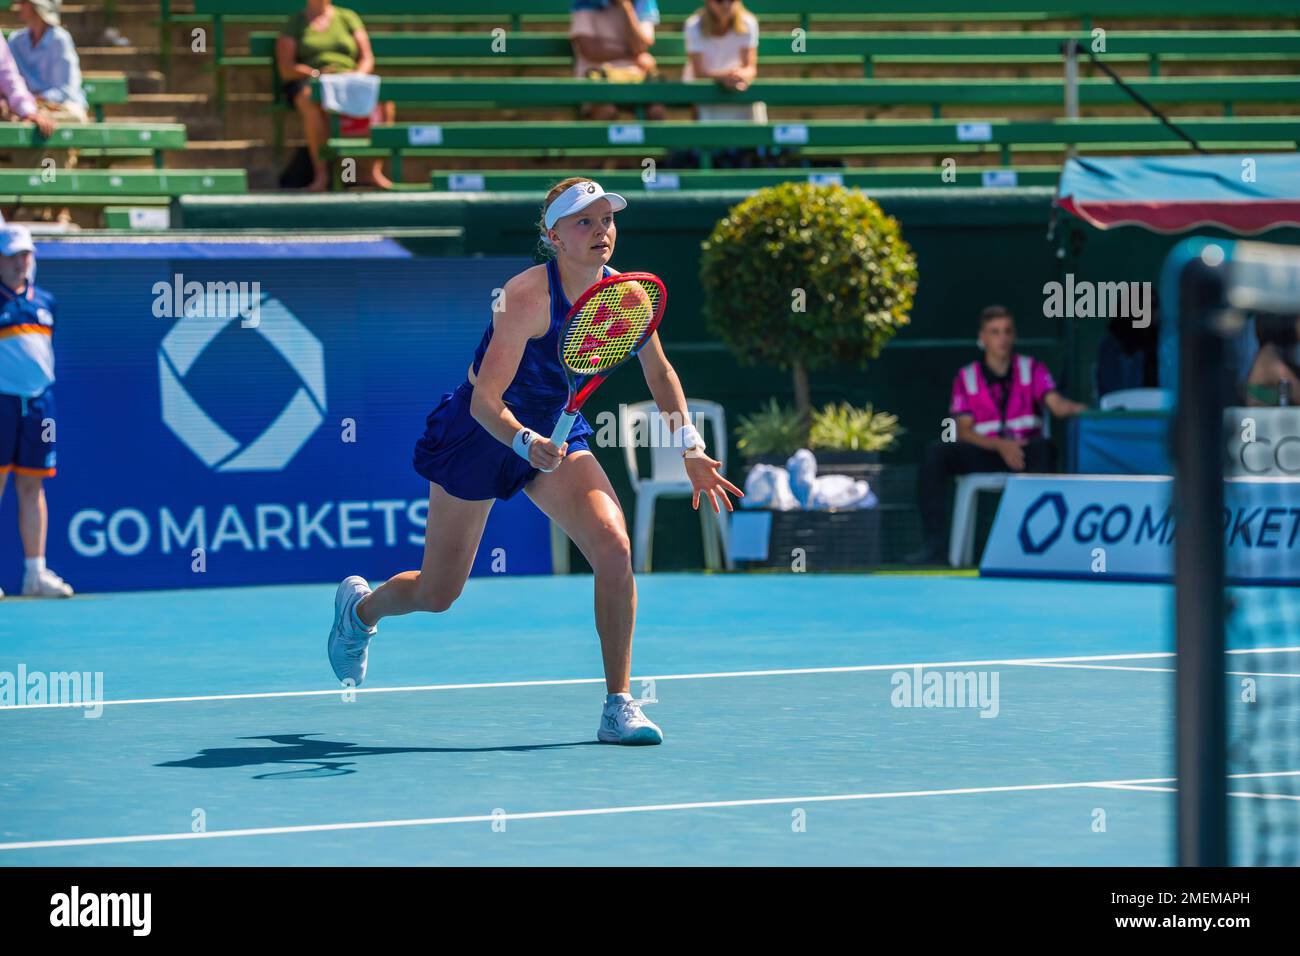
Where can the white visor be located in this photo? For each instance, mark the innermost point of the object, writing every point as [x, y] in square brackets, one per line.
[577, 198]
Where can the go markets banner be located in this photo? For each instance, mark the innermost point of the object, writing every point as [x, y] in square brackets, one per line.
[1122, 528]
[230, 414]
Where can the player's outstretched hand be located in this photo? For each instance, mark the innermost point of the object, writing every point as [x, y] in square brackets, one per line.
[703, 472]
[543, 455]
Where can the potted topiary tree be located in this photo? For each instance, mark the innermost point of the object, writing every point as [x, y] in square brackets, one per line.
[806, 277]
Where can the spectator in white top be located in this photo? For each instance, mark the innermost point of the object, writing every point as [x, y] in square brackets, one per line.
[722, 44]
[611, 40]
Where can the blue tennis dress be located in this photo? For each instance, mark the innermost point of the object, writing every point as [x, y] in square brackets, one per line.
[459, 454]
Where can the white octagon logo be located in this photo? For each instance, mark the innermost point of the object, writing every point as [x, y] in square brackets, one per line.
[282, 437]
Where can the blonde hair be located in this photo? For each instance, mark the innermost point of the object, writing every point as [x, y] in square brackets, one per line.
[712, 28]
[544, 246]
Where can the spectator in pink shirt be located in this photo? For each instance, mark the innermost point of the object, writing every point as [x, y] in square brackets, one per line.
[16, 100]
[997, 404]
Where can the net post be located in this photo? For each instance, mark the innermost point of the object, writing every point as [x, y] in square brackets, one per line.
[1199, 564]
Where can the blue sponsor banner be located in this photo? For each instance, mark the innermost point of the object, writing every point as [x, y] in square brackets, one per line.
[1122, 528]
[262, 409]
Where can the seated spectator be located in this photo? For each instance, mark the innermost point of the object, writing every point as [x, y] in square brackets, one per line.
[996, 403]
[1127, 356]
[1274, 377]
[16, 101]
[323, 38]
[722, 45]
[47, 59]
[611, 40]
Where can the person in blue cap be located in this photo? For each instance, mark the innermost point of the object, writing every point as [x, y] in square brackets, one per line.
[488, 440]
[27, 426]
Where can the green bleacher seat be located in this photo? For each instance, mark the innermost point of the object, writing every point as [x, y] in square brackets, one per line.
[837, 136]
[104, 87]
[34, 184]
[516, 12]
[495, 180]
[154, 137]
[517, 93]
[554, 49]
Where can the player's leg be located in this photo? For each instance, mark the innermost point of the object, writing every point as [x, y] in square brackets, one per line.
[451, 539]
[579, 498]
[452, 533]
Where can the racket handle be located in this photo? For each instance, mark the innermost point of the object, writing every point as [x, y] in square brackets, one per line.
[562, 428]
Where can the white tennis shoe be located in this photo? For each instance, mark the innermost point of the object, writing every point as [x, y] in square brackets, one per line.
[623, 723]
[45, 583]
[349, 646]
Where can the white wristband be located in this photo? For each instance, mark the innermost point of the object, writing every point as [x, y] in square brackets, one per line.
[523, 438]
[688, 436]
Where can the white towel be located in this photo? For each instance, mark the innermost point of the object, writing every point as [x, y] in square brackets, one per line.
[842, 493]
[767, 486]
[822, 493]
[352, 94]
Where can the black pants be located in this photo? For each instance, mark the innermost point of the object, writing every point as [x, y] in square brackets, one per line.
[943, 460]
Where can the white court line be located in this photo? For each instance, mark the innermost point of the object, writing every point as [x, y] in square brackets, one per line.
[1257, 674]
[1150, 670]
[1101, 667]
[716, 675]
[552, 814]
[598, 811]
[786, 672]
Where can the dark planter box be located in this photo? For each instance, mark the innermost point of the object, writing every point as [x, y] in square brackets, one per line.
[831, 540]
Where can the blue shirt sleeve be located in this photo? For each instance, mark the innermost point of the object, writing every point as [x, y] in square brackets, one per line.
[65, 72]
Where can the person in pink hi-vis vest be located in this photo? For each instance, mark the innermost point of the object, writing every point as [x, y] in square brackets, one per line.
[997, 402]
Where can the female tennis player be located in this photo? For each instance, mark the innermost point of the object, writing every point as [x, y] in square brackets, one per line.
[488, 439]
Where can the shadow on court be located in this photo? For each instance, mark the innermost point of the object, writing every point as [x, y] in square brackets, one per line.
[322, 758]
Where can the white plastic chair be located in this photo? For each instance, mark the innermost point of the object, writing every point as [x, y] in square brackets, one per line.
[668, 478]
[1138, 400]
[961, 539]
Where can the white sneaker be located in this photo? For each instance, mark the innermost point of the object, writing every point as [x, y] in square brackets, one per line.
[623, 723]
[348, 647]
[45, 583]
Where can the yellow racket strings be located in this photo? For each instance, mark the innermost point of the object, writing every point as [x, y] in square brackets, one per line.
[609, 326]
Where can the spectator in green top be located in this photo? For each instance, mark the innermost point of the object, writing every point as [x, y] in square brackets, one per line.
[323, 38]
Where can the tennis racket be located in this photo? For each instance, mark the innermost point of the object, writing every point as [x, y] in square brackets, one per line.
[606, 326]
